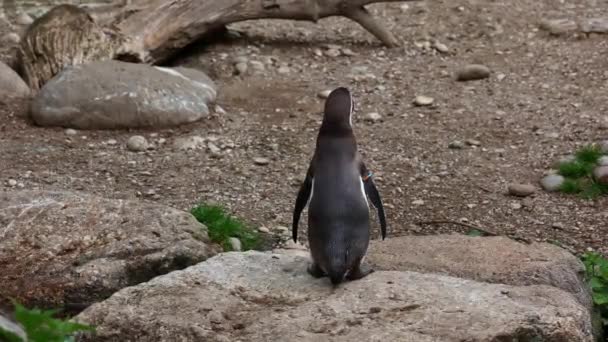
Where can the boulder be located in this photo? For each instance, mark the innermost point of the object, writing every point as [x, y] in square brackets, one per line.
[493, 259]
[254, 296]
[11, 84]
[114, 95]
[69, 249]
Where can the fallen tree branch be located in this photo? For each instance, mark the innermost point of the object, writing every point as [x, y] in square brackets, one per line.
[152, 31]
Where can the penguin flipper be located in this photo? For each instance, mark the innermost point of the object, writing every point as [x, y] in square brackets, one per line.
[301, 201]
[374, 196]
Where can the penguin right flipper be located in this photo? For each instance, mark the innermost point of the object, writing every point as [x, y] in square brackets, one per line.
[301, 201]
[374, 196]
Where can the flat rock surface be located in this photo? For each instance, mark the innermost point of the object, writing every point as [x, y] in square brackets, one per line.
[69, 248]
[114, 94]
[494, 259]
[255, 296]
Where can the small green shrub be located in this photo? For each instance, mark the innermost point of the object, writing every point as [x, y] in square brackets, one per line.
[223, 226]
[570, 186]
[596, 267]
[575, 169]
[40, 326]
[579, 174]
[589, 154]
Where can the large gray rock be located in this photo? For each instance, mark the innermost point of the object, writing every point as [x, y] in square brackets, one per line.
[11, 84]
[69, 248]
[114, 94]
[489, 259]
[254, 296]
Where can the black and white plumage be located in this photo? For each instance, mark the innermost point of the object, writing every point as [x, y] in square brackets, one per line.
[336, 188]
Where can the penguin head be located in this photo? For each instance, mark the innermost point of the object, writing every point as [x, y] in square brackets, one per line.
[338, 109]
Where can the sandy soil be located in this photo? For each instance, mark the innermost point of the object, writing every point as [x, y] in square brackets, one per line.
[546, 96]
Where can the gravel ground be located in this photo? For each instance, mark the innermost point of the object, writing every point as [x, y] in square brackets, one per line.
[545, 97]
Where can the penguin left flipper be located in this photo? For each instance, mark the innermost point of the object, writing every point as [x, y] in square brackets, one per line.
[374, 196]
[301, 201]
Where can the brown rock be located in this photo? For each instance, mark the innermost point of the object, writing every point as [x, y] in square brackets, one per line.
[601, 174]
[521, 190]
[472, 72]
[487, 259]
[77, 248]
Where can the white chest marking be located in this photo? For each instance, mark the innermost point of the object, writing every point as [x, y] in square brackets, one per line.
[363, 191]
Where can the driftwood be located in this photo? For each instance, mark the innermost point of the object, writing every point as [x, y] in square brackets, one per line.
[152, 31]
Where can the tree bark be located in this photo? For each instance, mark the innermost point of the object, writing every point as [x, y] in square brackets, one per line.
[151, 31]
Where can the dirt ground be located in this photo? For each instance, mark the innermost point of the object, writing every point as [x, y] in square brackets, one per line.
[546, 96]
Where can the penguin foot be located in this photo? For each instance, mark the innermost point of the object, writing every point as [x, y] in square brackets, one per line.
[359, 272]
[315, 271]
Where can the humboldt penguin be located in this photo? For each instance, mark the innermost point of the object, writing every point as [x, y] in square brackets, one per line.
[336, 188]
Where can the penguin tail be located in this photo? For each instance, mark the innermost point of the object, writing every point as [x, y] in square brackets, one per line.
[336, 277]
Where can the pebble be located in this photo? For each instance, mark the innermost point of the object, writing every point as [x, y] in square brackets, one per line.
[456, 145]
[284, 70]
[71, 131]
[324, 94]
[552, 182]
[240, 59]
[515, 205]
[189, 143]
[601, 174]
[521, 190]
[441, 47]
[24, 19]
[241, 68]
[373, 117]
[418, 202]
[12, 182]
[219, 109]
[332, 53]
[235, 244]
[264, 230]
[603, 161]
[422, 100]
[472, 72]
[261, 161]
[11, 37]
[257, 65]
[294, 245]
[473, 142]
[213, 148]
[112, 142]
[137, 143]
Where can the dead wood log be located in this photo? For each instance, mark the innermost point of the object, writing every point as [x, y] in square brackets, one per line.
[151, 31]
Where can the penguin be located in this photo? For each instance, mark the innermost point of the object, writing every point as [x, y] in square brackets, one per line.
[336, 189]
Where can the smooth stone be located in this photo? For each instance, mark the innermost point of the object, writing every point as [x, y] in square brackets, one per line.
[472, 72]
[521, 190]
[422, 100]
[600, 174]
[235, 244]
[552, 182]
[137, 143]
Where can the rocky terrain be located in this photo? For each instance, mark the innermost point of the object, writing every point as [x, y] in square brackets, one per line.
[459, 125]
